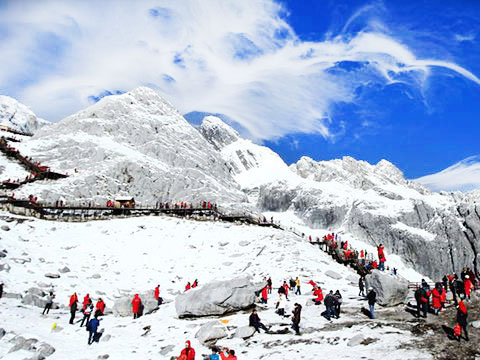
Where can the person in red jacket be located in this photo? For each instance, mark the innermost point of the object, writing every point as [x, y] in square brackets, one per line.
[157, 295]
[230, 353]
[374, 264]
[462, 319]
[195, 284]
[313, 283]
[285, 286]
[99, 307]
[188, 286]
[264, 295]
[73, 298]
[188, 353]
[468, 286]
[136, 305]
[319, 296]
[86, 300]
[437, 293]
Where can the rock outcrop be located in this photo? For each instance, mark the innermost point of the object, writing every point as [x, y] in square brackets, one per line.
[212, 331]
[123, 305]
[390, 290]
[217, 298]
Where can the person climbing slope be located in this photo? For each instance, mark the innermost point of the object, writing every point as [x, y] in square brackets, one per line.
[73, 307]
[92, 328]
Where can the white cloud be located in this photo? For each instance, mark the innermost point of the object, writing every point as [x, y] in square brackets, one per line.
[238, 58]
[462, 176]
[461, 38]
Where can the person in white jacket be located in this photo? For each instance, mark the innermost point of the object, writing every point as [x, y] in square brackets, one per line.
[282, 305]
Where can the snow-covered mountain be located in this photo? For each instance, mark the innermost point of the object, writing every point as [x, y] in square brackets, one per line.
[19, 117]
[135, 143]
[250, 164]
[462, 176]
[138, 144]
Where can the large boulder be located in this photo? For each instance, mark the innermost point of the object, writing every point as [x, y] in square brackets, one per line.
[123, 305]
[390, 290]
[36, 297]
[217, 298]
[244, 332]
[209, 333]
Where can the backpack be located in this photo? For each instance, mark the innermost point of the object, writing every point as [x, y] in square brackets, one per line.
[457, 330]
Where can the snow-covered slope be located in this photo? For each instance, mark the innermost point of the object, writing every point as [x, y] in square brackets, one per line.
[18, 116]
[462, 176]
[135, 143]
[127, 256]
[250, 164]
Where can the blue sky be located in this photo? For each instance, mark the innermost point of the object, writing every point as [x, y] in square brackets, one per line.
[381, 79]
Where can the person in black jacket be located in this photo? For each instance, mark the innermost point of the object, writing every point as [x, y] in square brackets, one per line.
[338, 296]
[372, 299]
[1, 290]
[296, 318]
[255, 322]
[361, 286]
[73, 310]
[330, 301]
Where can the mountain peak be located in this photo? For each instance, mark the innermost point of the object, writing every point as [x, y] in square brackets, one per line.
[217, 132]
[18, 116]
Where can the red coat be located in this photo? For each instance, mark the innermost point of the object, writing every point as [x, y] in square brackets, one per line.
[285, 286]
[313, 283]
[100, 306]
[468, 287]
[227, 357]
[187, 287]
[264, 293]
[136, 304]
[73, 298]
[362, 254]
[437, 298]
[85, 301]
[375, 265]
[345, 246]
[462, 307]
[188, 350]
[380, 251]
[157, 293]
[319, 294]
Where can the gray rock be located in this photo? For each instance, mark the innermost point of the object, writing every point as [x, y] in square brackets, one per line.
[106, 337]
[244, 243]
[45, 349]
[5, 228]
[390, 290]
[244, 332]
[211, 332]
[356, 340]
[96, 276]
[123, 305]
[353, 278]
[5, 267]
[36, 291]
[217, 298]
[166, 349]
[2, 254]
[12, 295]
[64, 270]
[333, 274]
[52, 275]
[104, 356]
[2, 332]
[476, 324]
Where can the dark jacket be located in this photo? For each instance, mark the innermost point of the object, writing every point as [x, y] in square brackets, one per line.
[74, 307]
[253, 320]
[93, 325]
[330, 300]
[281, 290]
[372, 297]
[297, 314]
[361, 285]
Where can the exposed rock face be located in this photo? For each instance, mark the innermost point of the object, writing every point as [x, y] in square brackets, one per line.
[211, 332]
[136, 144]
[217, 298]
[390, 290]
[36, 297]
[434, 233]
[216, 132]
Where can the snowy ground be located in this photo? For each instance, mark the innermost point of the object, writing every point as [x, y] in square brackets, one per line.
[11, 170]
[134, 255]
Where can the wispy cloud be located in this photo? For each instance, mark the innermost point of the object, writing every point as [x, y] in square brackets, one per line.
[238, 58]
[462, 176]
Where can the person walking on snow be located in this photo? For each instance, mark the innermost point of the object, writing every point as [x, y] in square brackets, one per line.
[188, 286]
[188, 353]
[269, 285]
[329, 302]
[281, 305]
[86, 301]
[297, 284]
[87, 311]
[157, 295]
[136, 304]
[49, 303]
[292, 284]
[73, 307]
[296, 318]
[437, 294]
[195, 284]
[255, 322]
[92, 327]
[361, 286]
[285, 286]
[338, 304]
[372, 299]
